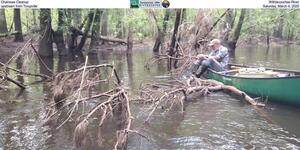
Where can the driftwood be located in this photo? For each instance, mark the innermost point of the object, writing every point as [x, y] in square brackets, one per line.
[111, 39]
[8, 34]
[24, 73]
[13, 81]
[20, 52]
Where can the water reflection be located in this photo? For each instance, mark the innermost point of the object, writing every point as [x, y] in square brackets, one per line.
[130, 69]
[285, 57]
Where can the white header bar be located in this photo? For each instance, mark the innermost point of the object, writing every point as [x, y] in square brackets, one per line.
[281, 4]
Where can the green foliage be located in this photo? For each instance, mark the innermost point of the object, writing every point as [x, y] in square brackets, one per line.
[260, 21]
[257, 22]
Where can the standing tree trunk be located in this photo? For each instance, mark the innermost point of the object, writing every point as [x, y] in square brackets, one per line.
[119, 29]
[95, 30]
[237, 31]
[279, 30]
[182, 13]
[3, 24]
[291, 29]
[45, 44]
[129, 41]
[165, 26]
[228, 25]
[86, 30]
[34, 17]
[18, 26]
[174, 38]
[77, 17]
[58, 36]
[268, 37]
[119, 25]
[104, 28]
[183, 16]
[161, 33]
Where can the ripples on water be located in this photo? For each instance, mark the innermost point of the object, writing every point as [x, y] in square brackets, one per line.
[214, 122]
[220, 122]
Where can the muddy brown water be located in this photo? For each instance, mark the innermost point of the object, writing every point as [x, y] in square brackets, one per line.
[218, 121]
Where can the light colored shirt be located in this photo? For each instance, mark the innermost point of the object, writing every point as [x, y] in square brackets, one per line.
[222, 53]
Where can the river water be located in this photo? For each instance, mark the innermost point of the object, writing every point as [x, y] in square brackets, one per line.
[217, 121]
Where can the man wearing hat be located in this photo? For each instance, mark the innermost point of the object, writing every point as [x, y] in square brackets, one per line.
[216, 60]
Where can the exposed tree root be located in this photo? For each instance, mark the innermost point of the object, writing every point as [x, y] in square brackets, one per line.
[174, 93]
[77, 92]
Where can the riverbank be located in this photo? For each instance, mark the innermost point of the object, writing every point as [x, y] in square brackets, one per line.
[262, 41]
[8, 46]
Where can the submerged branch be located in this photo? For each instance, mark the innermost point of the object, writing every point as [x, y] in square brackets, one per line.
[25, 73]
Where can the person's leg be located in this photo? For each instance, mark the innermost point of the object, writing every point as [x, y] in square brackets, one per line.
[205, 64]
[195, 65]
[215, 65]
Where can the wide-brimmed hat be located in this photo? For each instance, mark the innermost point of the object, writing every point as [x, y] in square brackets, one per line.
[214, 41]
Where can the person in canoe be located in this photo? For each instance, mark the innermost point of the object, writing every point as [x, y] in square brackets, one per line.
[216, 60]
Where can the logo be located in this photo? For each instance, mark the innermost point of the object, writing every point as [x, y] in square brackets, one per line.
[134, 3]
[150, 4]
[165, 3]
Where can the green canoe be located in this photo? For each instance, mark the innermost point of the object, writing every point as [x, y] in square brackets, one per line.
[274, 84]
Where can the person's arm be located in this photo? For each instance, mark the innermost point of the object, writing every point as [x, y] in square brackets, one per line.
[223, 52]
[201, 56]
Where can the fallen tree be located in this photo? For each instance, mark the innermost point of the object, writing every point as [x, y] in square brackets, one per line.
[175, 93]
[8, 34]
[111, 39]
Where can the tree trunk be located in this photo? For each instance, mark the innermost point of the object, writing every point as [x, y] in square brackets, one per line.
[45, 44]
[165, 26]
[58, 36]
[3, 24]
[268, 37]
[278, 32]
[291, 29]
[18, 26]
[161, 33]
[27, 21]
[86, 30]
[119, 25]
[157, 42]
[95, 29]
[104, 28]
[174, 37]
[34, 17]
[228, 25]
[120, 30]
[237, 31]
[183, 16]
[129, 42]
[77, 17]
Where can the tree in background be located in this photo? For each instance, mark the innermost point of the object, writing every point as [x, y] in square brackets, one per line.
[18, 26]
[159, 41]
[45, 43]
[237, 32]
[58, 35]
[95, 29]
[104, 25]
[172, 51]
[3, 24]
